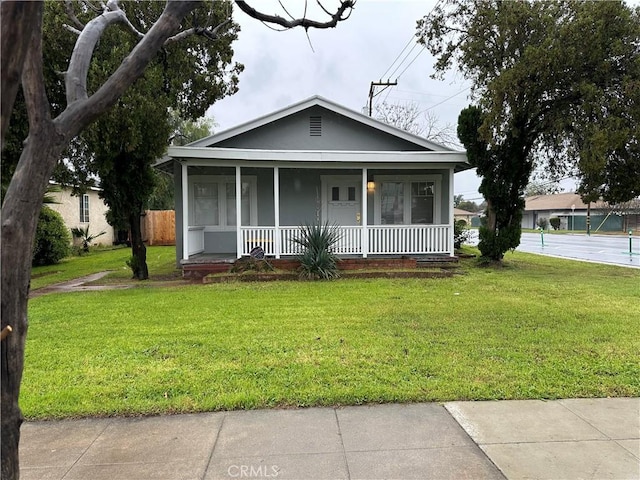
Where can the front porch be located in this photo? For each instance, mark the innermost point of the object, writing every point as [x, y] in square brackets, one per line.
[361, 240]
[376, 213]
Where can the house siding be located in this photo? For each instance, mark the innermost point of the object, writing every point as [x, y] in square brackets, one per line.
[68, 206]
[338, 133]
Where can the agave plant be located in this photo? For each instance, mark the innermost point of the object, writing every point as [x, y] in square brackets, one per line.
[83, 235]
[317, 260]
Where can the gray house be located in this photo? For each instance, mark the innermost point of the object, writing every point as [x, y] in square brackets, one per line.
[390, 192]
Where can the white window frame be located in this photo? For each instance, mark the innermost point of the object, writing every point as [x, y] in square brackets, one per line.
[84, 208]
[407, 180]
[221, 181]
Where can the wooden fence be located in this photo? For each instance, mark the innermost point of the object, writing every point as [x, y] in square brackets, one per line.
[159, 227]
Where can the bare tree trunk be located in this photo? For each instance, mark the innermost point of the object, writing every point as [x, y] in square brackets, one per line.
[19, 21]
[19, 219]
[138, 249]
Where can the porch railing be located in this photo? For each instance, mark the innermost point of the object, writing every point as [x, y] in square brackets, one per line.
[409, 239]
[264, 237]
[195, 240]
[382, 239]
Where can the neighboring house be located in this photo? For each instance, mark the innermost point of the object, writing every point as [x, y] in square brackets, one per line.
[82, 211]
[571, 211]
[390, 192]
[465, 215]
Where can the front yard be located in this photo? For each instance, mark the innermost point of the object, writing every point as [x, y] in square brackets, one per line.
[537, 328]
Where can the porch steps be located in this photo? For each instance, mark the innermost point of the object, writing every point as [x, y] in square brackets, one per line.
[443, 262]
[197, 271]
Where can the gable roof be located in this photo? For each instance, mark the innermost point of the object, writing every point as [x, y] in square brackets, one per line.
[459, 211]
[558, 201]
[216, 138]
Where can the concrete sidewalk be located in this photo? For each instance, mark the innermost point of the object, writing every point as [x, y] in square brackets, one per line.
[564, 439]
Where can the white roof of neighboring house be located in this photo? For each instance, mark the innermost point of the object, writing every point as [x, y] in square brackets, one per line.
[69, 187]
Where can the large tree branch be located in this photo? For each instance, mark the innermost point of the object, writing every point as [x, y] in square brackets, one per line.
[76, 77]
[68, 8]
[342, 13]
[77, 116]
[208, 32]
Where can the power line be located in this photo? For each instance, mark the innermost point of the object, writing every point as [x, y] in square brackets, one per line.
[412, 38]
[404, 59]
[396, 59]
[411, 63]
[446, 99]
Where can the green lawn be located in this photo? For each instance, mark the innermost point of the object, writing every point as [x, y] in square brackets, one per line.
[161, 262]
[537, 328]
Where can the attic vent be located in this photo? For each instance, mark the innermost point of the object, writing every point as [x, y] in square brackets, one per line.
[315, 126]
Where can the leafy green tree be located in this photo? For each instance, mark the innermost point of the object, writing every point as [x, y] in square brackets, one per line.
[185, 130]
[469, 206]
[540, 70]
[504, 177]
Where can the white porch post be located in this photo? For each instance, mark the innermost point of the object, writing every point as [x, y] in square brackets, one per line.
[451, 214]
[238, 212]
[276, 210]
[363, 216]
[185, 211]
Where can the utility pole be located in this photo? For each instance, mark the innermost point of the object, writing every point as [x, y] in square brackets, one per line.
[372, 93]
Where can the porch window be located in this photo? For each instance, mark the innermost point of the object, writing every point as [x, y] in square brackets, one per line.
[392, 203]
[205, 203]
[213, 202]
[421, 202]
[407, 200]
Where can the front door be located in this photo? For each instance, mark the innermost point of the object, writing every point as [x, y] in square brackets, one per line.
[343, 201]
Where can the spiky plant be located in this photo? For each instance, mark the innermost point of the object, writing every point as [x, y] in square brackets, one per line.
[85, 238]
[317, 260]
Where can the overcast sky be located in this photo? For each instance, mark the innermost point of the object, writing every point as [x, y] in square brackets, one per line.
[282, 68]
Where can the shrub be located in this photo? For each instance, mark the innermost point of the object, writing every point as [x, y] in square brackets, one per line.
[543, 223]
[555, 223]
[83, 235]
[317, 261]
[251, 264]
[52, 242]
[461, 233]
